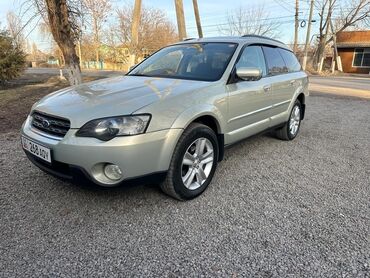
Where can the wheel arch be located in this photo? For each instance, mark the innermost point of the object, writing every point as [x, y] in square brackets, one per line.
[302, 99]
[213, 124]
[210, 117]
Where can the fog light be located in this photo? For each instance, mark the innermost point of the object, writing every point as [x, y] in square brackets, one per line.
[112, 172]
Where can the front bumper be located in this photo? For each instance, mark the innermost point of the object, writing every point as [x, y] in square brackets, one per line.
[136, 156]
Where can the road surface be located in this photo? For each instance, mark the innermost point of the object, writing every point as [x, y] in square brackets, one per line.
[273, 209]
[343, 85]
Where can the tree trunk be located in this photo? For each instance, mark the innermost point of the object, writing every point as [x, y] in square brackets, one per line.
[62, 32]
[97, 43]
[72, 63]
[323, 38]
[320, 52]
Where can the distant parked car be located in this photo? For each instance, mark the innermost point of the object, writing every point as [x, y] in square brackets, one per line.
[172, 114]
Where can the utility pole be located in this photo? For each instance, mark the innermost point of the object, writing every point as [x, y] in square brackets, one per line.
[197, 18]
[296, 25]
[304, 63]
[180, 19]
[135, 31]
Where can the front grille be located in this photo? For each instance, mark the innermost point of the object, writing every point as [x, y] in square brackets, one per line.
[50, 124]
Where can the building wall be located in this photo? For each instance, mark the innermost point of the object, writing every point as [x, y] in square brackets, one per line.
[346, 55]
[354, 36]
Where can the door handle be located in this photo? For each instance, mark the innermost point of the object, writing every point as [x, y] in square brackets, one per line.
[292, 83]
[267, 88]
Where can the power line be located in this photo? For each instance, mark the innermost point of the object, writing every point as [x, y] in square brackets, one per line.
[215, 27]
[306, 10]
[244, 21]
[281, 5]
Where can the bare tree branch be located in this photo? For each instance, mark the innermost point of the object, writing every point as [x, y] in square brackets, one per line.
[15, 29]
[98, 12]
[155, 29]
[356, 12]
[242, 21]
[352, 12]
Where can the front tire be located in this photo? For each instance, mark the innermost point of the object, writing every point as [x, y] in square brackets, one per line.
[193, 163]
[291, 128]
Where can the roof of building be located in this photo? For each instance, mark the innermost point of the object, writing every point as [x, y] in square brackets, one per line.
[351, 39]
[353, 44]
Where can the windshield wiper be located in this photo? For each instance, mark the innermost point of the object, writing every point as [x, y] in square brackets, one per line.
[138, 74]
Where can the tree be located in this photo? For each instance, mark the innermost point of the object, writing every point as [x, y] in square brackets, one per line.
[45, 32]
[243, 20]
[12, 58]
[352, 12]
[98, 11]
[114, 52]
[367, 22]
[155, 30]
[326, 9]
[88, 48]
[60, 15]
[15, 29]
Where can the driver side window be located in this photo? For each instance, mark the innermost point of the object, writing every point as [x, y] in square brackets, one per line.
[252, 57]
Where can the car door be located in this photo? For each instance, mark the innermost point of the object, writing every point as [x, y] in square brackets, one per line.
[294, 75]
[249, 102]
[284, 84]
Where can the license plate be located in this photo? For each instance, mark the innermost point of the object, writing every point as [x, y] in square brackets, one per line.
[36, 149]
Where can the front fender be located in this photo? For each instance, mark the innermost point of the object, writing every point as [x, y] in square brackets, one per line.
[194, 112]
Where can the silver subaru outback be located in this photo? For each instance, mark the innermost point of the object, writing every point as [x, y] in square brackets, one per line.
[171, 116]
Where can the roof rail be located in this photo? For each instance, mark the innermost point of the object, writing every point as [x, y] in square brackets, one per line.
[261, 37]
[188, 39]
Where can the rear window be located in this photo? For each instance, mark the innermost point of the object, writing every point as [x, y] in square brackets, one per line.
[275, 62]
[291, 60]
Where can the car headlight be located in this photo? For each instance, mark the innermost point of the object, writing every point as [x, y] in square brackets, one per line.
[107, 128]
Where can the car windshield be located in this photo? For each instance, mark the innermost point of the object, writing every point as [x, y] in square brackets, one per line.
[193, 61]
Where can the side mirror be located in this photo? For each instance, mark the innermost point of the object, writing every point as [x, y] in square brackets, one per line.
[249, 74]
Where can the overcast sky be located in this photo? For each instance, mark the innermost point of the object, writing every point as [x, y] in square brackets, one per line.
[213, 13]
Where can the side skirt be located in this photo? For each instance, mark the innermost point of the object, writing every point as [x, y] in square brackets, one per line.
[257, 134]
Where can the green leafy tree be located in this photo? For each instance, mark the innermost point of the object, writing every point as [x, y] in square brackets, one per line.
[12, 58]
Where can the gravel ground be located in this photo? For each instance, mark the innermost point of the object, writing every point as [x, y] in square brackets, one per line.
[287, 209]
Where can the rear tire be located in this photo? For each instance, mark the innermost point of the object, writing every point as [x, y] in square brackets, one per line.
[291, 128]
[193, 163]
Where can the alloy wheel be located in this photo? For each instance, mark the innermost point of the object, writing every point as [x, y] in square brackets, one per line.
[295, 119]
[197, 163]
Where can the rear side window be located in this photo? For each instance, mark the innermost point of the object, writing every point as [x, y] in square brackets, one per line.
[291, 60]
[275, 62]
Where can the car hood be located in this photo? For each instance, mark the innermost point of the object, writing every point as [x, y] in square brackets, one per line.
[112, 97]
